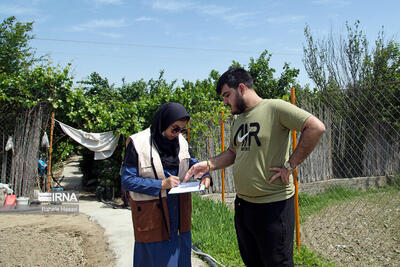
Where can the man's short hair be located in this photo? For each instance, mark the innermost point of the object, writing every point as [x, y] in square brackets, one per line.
[233, 77]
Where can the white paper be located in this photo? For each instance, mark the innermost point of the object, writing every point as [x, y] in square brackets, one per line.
[186, 188]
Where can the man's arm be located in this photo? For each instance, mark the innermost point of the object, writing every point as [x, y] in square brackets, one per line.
[311, 132]
[222, 160]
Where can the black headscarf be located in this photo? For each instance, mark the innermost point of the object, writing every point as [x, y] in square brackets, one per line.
[168, 150]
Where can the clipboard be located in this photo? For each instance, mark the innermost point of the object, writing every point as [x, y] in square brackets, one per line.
[187, 188]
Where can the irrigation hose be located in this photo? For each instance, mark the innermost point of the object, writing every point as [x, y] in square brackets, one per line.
[210, 260]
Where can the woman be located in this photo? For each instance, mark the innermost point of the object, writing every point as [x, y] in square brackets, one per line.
[156, 159]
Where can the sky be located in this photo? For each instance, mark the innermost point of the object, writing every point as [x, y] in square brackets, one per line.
[135, 39]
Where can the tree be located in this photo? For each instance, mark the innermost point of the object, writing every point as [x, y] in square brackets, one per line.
[265, 84]
[133, 91]
[360, 88]
[336, 62]
[96, 85]
[15, 52]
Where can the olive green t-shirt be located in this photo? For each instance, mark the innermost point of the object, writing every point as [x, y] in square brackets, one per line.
[261, 138]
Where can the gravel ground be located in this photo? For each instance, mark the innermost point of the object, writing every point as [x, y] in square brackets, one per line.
[365, 232]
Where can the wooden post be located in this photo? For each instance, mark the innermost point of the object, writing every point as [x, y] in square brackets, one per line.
[51, 142]
[50, 150]
[188, 132]
[222, 150]
[331, 147]
[375, 151]
[296, 183]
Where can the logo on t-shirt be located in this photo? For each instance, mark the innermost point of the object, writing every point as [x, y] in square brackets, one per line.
[241, 138]
[245, 134]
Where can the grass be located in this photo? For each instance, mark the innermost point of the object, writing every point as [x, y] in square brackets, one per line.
[213, 230]
[306, 257]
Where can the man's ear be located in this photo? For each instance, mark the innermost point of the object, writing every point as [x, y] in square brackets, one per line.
[242, 88]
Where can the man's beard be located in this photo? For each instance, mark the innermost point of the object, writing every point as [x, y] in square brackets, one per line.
[240, 105]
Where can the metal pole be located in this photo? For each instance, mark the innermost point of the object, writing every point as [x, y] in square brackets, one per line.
[222, 150]
[296, 183]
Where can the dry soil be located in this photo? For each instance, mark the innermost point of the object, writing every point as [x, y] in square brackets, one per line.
[52, 240]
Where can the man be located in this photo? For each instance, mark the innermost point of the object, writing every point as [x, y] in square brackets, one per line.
[262, 167]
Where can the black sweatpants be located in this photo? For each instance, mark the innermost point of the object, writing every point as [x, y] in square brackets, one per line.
[265, 232]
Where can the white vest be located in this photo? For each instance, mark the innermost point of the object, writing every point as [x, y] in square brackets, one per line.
[141, 142]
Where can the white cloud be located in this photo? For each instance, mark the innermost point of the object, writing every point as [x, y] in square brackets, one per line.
[100, 24]
[239, 19]
[319, 2]
[292, 50]
[108, 2]
[172, 5]
[337, 3]
[256, 41]
[43, 19]
[214, 10]
[286, 19]
[109, 34]
[17, 10]
[146, 19]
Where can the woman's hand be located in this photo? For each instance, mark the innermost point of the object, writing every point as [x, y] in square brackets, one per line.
[206, 181]
[170, 182]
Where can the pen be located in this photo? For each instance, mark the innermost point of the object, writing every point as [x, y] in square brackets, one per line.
[168, 174]
[201, 179]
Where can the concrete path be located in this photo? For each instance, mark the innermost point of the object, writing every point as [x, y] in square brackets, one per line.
[117, 223]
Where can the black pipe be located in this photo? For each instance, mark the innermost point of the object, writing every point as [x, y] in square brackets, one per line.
[207, 259]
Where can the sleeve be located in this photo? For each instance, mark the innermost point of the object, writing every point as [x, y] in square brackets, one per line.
[290, 116]
[192, 161]
[130, 179]
[232, 134]
[131, 156]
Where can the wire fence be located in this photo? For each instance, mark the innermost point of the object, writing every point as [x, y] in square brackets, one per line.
[360, 150]
[361, 139]
[349, 211]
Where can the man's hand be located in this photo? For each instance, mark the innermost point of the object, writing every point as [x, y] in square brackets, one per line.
[281, 172]
[197, 170]
[170, 182]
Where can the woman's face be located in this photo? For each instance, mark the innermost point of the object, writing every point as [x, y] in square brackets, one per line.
[175, 129]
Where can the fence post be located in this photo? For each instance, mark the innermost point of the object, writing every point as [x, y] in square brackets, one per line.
[222, 150]
[296, 182]
[188, 132]
[51, 142]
